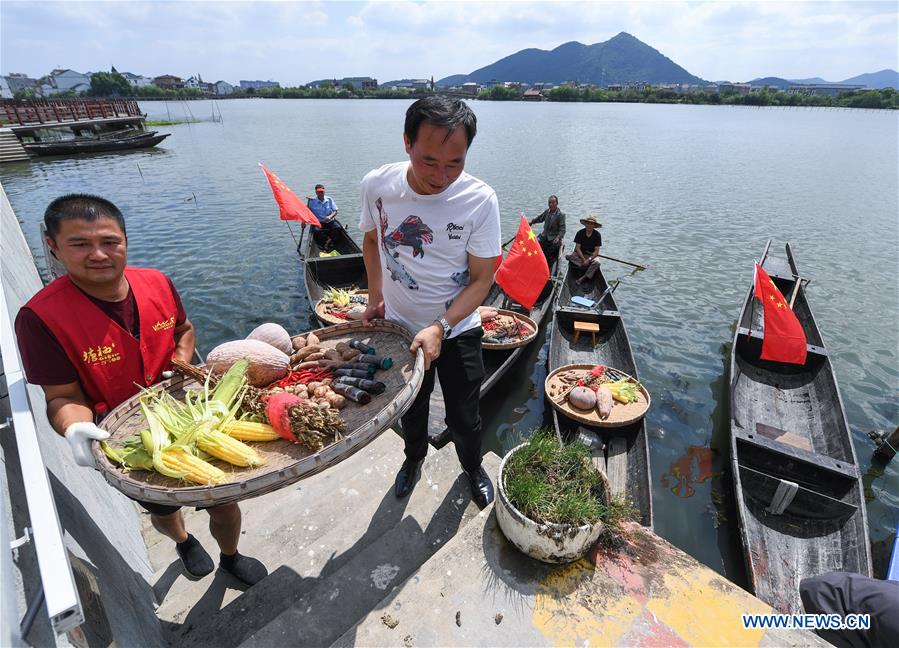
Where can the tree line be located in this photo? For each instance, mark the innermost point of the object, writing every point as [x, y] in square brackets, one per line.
[113, 84]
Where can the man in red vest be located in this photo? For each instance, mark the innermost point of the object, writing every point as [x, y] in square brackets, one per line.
[93, 338]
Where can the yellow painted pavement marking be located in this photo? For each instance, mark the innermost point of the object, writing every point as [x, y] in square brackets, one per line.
[703, 613]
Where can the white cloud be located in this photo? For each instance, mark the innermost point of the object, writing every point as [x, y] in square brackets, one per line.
[295, 42]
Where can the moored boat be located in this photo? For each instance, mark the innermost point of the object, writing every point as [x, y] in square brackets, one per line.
[346, 269]
[796, 480]
[497, 362]
[95, 144]
[624, 450]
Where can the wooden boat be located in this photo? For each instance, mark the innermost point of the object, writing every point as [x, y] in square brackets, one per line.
[94, 144]
[347, 270]
[796, 480]
[624, 454]
[496, 362]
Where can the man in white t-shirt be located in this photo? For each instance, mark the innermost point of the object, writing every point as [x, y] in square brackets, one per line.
[432, 235]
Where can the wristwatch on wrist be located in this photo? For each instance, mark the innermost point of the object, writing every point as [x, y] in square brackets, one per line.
[447, 329]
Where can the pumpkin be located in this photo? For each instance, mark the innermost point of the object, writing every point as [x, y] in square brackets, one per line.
[273, 334]
[582, 398]
[267, 364]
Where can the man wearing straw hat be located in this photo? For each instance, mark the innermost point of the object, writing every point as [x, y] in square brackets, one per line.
[94, 337]
[587, 243]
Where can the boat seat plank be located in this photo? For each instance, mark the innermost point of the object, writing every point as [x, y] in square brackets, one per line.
[758, 335]
[616, 465]
[823, 461]
[777, 267]
[332, 259]
[783, 497]
[784, 436]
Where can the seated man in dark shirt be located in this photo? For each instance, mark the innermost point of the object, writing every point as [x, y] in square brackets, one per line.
[587, 244]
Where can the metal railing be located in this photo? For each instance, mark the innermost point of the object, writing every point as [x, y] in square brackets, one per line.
[57, 581]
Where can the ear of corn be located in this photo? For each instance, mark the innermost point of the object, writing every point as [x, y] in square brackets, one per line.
[251, 431]
[222, 446]
[177, 460]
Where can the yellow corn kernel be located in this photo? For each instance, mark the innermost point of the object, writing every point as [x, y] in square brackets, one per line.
[250, 431]
[223, 447]
[198, 471]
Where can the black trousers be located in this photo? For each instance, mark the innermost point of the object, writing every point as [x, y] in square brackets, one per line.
[461, 370]
[550, 251]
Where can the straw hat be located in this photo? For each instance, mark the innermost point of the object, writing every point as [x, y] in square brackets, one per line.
[590, 219]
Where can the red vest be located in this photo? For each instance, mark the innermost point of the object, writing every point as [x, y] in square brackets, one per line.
[112, 365]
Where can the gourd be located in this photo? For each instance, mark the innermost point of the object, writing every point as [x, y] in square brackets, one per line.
[273, 334]
[267, 364]
[582, 398]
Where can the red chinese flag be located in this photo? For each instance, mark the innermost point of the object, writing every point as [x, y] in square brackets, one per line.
[784, 339]
[292, 208]
[523, 272]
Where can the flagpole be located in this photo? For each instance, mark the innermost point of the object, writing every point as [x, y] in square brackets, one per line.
[290, 229]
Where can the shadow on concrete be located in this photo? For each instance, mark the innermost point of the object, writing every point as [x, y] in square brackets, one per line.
[283, 588]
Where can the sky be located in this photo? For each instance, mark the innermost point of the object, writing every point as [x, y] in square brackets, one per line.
[298, 42]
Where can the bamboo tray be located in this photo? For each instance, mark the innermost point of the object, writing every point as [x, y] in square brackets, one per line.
[524, 319]
[286, 462]
[621, 414]
[321, 309]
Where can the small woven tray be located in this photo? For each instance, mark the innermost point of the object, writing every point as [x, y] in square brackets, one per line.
[286, 462]
[621, 414]
[524, 319]
[321, 309]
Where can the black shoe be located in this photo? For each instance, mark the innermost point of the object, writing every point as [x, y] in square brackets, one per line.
[481, 486]
[245, 569]
[196, 561]
[406, 477]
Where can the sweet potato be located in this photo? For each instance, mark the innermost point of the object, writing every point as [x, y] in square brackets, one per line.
[312, 339]
[298, 342]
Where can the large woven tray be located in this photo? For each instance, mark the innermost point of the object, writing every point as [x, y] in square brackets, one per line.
[524, 319]
[321, 310]
[621, 414]
[286, 462]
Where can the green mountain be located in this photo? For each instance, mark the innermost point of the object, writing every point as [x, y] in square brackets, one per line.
[620, 59]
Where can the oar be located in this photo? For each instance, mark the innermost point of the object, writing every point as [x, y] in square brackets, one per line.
[636, 265]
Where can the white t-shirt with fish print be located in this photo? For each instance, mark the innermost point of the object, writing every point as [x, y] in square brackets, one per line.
[424, 242]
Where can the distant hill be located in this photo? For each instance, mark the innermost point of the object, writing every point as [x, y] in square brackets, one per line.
[812, 80]
[783, 84]
[882, 79]
[618, 60]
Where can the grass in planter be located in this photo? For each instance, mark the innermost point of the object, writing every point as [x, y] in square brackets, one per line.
[549, 482]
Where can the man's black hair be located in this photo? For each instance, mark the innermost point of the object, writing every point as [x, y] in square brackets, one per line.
[319, 186]
[443, 112]
[554, 198]
[80, 206]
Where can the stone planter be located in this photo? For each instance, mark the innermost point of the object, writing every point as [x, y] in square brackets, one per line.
[550, 543]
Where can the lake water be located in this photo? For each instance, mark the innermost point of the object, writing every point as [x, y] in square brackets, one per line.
[695, 191]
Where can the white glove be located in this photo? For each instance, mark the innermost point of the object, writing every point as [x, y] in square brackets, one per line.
[165, 375]
[80, 435]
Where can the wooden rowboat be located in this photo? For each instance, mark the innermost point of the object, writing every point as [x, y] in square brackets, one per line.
[496, 362]
[796, 480]
[624, 451]
[94, 144]
[347, 270]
